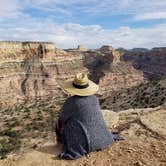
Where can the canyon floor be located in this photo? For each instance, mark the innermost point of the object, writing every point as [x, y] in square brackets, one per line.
[144, 132]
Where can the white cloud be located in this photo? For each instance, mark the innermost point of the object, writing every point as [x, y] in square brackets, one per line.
[70, 35]
[151, 16]
[127, 7]
[98, 7]
[9, 8]
[13, 8]
[26, 27]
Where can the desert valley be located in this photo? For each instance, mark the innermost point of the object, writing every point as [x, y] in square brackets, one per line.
[132, 96]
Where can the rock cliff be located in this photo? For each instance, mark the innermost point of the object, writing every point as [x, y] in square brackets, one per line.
[110, 72]
[151, 62]
[34, 71]
[151, 93]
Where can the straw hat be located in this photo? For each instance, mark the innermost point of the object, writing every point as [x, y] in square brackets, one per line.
[80, 85]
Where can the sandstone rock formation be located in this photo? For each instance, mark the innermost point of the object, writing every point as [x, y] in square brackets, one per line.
[13, 50]
[111, 118]
[151, 62]
[110, 72]
[155, 122]
[31, 71]
[106, 48]
[152, 119]
[34, 71]
[80, 48]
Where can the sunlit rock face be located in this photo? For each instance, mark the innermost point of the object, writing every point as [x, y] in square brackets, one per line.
[35, 71]
[151, 64]
[14, 50]
[110, 72]
[31, 71]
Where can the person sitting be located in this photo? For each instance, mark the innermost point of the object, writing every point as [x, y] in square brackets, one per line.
[80, 127]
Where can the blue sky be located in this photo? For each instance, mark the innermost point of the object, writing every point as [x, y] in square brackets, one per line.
[93, 23]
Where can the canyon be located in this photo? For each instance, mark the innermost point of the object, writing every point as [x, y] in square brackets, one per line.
[151, 62]
[33, 72]
[132, 93]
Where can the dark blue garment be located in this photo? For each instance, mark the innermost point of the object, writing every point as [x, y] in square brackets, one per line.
[84, 128]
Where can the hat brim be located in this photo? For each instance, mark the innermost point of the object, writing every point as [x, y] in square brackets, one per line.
[90, 90]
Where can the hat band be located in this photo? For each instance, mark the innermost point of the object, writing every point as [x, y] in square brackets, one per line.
[80, 86]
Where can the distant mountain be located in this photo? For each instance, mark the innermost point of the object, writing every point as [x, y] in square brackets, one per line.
[132, 50]
[139, 50]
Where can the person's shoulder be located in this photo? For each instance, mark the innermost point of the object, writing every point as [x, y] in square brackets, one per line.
[68, 102]
[94, 97]
[69, 99]
[76, 98]
[91, 98]
[72, 99]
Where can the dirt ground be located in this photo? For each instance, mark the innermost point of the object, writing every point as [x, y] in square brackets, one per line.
[142, 146]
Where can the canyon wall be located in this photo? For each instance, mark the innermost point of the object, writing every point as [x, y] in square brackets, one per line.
[34, 71]
[112, 74]
[18, 51]
[151, 62]
[152, 93]
[31, 72]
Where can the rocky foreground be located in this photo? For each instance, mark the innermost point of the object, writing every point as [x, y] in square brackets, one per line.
[144, 131]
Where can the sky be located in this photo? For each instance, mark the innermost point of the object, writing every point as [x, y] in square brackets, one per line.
[92, 23]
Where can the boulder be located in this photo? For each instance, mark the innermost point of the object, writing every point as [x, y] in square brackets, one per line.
[156, 122]
[111, 118]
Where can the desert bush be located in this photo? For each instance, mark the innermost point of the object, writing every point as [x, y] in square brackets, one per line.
[14, 123]
[9, 144]
[10, 133]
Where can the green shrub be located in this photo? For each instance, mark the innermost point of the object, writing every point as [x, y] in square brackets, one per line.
[9, 145]
[10, 133]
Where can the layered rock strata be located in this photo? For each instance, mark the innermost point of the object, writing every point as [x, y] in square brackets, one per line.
[110, 72]
[151, 62]
[34, 71]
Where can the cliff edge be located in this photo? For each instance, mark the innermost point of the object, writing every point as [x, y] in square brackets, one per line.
[144, 131]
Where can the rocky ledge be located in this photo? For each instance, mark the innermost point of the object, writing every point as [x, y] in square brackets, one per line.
[143, 130]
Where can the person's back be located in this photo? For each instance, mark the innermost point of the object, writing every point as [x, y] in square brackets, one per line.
[81, 127]
[88, 112]
[84, 130]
